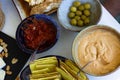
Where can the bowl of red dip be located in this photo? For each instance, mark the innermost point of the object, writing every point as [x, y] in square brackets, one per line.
[37, 31]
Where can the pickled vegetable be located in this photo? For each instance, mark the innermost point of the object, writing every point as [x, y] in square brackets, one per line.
[73, 9]
[73, 22]
[77, 17]
[71, 15]
[81, 7]
[65, 76]
[76, 3]
[72, 65]
[80, 23]
[83, 17]
[48, 69]
[87, 5]
[79, 13]
[87, 21]
[87, 12]
[72, 70]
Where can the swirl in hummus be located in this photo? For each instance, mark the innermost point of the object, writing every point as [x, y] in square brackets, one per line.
[101, 46]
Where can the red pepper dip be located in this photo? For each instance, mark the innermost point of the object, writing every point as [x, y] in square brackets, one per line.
[39, 33]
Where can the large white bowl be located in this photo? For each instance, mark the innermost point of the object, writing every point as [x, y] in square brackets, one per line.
[88, 31]
[64, 9]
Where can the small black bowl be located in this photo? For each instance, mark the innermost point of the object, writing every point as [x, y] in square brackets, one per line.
[20, 38]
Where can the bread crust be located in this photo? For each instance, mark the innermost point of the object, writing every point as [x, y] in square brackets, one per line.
[39, 9]
[2, 19]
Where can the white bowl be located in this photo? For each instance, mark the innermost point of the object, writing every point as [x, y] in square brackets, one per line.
[64, 9]
[100, 52]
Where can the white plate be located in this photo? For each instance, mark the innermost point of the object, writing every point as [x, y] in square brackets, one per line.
[23, 14]
[20, 9]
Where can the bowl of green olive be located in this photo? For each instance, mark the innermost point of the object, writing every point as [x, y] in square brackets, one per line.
[76, 15]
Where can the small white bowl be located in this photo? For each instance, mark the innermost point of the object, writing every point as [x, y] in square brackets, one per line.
[64, 9]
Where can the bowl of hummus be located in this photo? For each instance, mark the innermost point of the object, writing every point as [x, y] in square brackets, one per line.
[100, 45]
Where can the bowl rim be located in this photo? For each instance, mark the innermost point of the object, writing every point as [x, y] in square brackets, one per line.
[77, 30]
[100, 26]
[18, 33]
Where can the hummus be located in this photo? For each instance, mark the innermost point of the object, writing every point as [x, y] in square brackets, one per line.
[103, 48]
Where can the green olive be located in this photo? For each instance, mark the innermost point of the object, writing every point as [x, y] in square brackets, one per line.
[71, 14]
[76, 3]
[83, 17]
[87, 21]
[86, 12]
[77, 17]
[78, 13]
[81, 7]
[80, 23]
[87, 5]
[73, 9]
[73, 22]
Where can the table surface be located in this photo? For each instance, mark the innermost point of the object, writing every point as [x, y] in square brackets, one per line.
[63, 46]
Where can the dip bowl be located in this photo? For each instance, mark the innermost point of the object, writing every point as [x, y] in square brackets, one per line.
[64, 9]
[100, 45]
[37, 32]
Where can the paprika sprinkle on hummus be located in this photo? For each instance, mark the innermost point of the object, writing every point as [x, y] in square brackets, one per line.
[39, 33]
